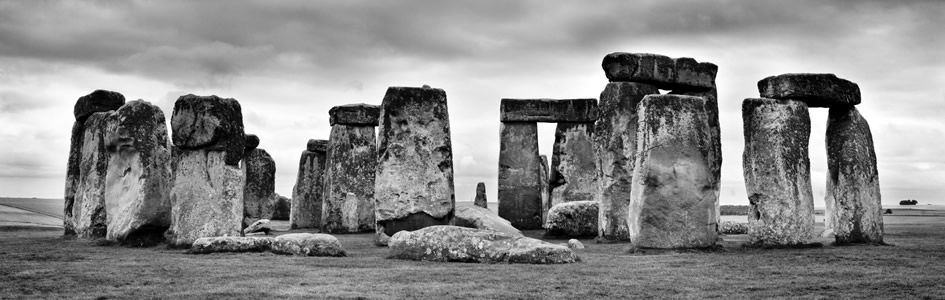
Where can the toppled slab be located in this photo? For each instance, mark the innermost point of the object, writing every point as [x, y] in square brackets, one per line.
[307, 244]
[481, 218]
[261, 225]
[218, 244]
[817, 90]
[573, 219]
[354, 114]
[662, 71]
[211, 123]
[548, 110]
[460, 244]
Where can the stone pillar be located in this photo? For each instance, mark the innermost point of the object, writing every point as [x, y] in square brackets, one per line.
[85, 106]
[777, 172]
[853, 180]
[306, 209]
[520, 199]
[88, 210]
[544, 186]
[615, 135]
[672, 204]
[414, 184]
[138, 180]
[207, 194]
[259, 194]
[715, 134]
[573, 165]
[350, 170]
[481, 195]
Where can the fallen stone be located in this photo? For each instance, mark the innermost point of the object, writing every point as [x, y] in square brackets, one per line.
[662, 71]
[349, 180]
[259, 193]
[548, 110]
[460, 244]
[414, 182]
[853, 180]
[230, 244]
[87, 213]
[209, 122]
[206, 198]
[573, 219]
[139, 176]
[482, 218]
[615, 135]
[777, 172]
[672, 204]
[251, 142]
[575, 244]
[283, 208]
[261, 225]
[308, 244]
[519, 195]
[817, 90]
[308, 191]
[354, 114]
[573, 164]
[97, 101]
[481, 195]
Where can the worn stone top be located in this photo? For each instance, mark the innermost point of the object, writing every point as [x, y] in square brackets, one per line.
[317, 145]
[251, 141]
[209, 122]
[97, 101]
[662, 71]
[817, 90]
[140, 127]
[354, 114]
[548, 110]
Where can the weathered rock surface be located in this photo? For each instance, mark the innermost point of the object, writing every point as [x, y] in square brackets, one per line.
[209, 122]
[548, 110]
[573, 164]
[251, 141]
[574, 219]
[261, 225]
[349, 180]
[853, 180]
[414, 182]
[259, 194]
[615, 135]
[139, 176]
[308, 191]
[354, 114]
[460, 244]
[544, 186]
[817, 90]
[575, 244]
[662, 71]
[715, 136]
[520, 199]
[308, 244]
[283, 208]
[672, 203]
[206, 198]
[230, 244]
[87, 214]
[481, 195]
[777, 172]
[97, 101]
[482, 218]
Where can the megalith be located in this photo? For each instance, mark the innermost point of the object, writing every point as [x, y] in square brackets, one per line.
[573, 165]
[207, 194]
[519, 185]
[672, 204]
[414, 183]
[350, 169]
[87, 211]
[856, 210]
[480, 200]
[817, 90]
[307, 194]
[139, 176]
[777, 172]
[85, 106]
[544, 187]
[259, 193]
[667, 73]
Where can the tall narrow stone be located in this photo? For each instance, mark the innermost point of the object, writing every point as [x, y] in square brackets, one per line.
[672, 203]
[414, 183]
[573, 165]
[259, 193]
[615, 135]
[544, 186]
[853, 180]
[520, 199]
[350, 170]
[715, 133]
[87, 212]
[307, 194]
[481, 195]
[138, 181]
[777, 171]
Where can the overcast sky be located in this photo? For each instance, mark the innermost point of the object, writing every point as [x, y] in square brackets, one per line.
[288, 62]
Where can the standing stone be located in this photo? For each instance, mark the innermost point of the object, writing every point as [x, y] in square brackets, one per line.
[207, 195]
[715, 133]
[259, 194]
[414, 183]
[777, 172]
[138, 180]
[853, 180]
[307, 193]
[544, 186]
[350, 170]
[87, 212]
[97, 101]
[672, 204]
[573, 165]
[520, 199]
[481, 195]
[615, 135]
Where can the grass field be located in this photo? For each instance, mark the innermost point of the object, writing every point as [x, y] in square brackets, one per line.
[39, 263]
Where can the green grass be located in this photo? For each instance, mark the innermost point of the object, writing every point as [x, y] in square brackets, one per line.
[39, 263]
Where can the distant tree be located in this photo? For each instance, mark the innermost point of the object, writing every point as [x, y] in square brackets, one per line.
[909, 202]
